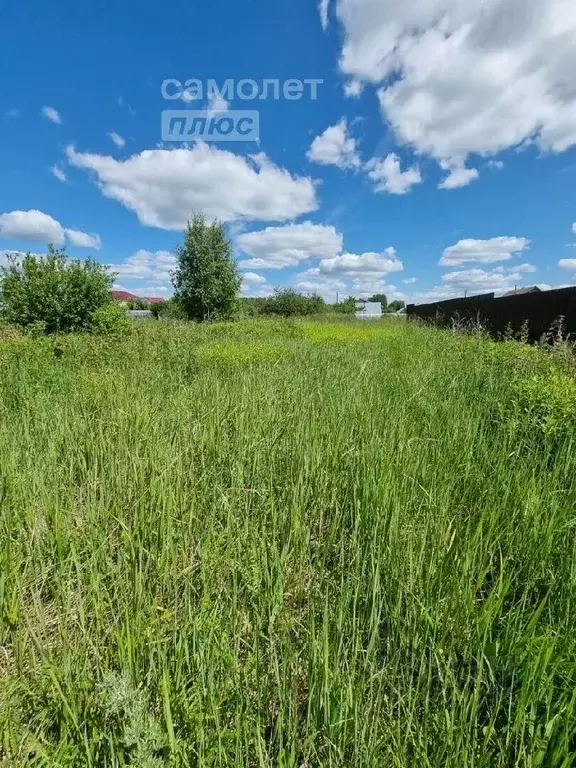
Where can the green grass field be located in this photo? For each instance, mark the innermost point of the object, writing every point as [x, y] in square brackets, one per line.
[287, 544]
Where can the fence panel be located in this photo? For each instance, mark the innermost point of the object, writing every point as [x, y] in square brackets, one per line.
[537, 312]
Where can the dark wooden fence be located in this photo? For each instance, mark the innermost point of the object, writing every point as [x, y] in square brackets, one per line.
[537, 313]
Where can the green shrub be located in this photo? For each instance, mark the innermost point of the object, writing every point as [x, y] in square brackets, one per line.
[111, 320]
[53, 294]
[170, 309]
[288, 303]
[345, 307]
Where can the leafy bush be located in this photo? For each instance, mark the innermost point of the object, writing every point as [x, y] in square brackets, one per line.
[253, 306]
[53, 294]
[288, 303]
[111, 320]
[170, 309]
[346, 307]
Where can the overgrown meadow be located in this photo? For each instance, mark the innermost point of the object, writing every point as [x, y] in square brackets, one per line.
[287, 544]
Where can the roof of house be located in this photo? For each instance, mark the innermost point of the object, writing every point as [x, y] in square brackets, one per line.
[522, 291]
[123, 295]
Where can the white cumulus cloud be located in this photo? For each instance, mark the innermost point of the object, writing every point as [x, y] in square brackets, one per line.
[355, 265]
[163, 187]
[154, 266]
[367, 286]
[496, 280]
[253, 278]
[456, 77]
[83, 239]
[278, 247]
[388, 176]
[335, 147]
[255, 285]
[37, 225]
[31, 225]
[568, 264]
[483, 251]
[329, 288]
[458, 176]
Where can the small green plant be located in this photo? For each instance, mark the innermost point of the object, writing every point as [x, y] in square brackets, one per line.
[549, 399]
[130, 723]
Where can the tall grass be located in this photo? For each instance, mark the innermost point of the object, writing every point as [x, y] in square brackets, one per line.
[286, 544]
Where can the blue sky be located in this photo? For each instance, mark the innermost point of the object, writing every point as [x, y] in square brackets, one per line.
[438, 157]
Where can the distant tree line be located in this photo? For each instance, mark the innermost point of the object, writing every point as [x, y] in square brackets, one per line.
[55, 294]
[289, 303]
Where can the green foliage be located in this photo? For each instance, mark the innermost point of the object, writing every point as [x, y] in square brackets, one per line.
[111, 320]
[53, 294]
[171, 309]
[206, 279]
[253, 306]
[126, 714]
[549, 399]
[346, 307]
[289, 303]
[394, 306]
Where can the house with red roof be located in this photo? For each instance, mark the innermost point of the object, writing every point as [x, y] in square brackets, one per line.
[123, 296]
